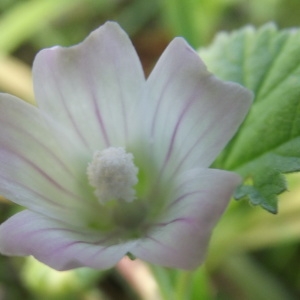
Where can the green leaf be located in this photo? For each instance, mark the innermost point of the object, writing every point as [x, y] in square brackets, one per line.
[267, 61]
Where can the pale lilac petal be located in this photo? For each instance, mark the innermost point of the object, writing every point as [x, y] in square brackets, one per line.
[40, 168]
[191, 114]
[180, 239]
[92, 88]
[57, 245]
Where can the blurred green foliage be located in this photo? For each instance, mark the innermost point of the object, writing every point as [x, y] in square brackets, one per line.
[47, 22]
[252, 255]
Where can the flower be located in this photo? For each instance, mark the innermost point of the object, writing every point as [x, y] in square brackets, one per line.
[111, 164]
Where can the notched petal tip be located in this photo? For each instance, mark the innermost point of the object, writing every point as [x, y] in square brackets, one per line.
[99, 80]
[110, 29]
[180, 44]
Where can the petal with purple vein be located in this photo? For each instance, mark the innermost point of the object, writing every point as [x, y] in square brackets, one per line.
[40, 167]
[191, 114]
[57, 245]
[92, 88]
[180, 239]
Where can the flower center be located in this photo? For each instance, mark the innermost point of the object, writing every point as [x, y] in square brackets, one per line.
[113, 174]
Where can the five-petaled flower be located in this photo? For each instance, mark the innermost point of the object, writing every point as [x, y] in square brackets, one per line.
[111, 164]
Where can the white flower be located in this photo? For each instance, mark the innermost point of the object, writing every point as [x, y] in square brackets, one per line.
[110, 163]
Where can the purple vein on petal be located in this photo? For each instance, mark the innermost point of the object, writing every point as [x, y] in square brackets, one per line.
[40, 171]
[157, 107]
[99, 251]
[196, 143]
[95, 102]
[69, 230]
[40, 230]
[100, 120]
[175, 130]
[184, 220]
[171, 249]
[121, 97]
[68, 245]
[182, 197]
[33, 192]
[66, 108]
[87, 245]
[188, 152]
[124, 114]
[49, 151]
[46, 230]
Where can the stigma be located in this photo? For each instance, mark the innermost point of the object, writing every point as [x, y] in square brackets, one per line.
[113, 175]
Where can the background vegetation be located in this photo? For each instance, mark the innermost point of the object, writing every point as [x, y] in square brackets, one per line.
[253, 254]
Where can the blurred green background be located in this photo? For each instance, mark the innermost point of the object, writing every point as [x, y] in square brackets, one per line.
[253, 255]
